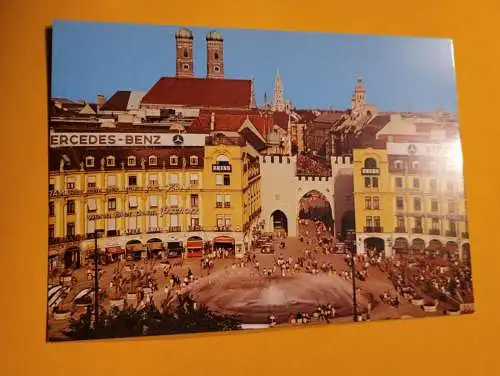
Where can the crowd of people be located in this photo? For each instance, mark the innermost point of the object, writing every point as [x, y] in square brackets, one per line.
[308, 164]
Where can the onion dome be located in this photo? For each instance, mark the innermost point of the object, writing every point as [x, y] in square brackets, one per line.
[184, 33]
[214, 35]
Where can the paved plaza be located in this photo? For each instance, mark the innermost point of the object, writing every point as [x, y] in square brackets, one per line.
[376, 283]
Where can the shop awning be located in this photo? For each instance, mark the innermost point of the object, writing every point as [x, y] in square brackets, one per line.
[114, 250]
[155, 245]
[224, 239]
[194, 244]
[134, 247]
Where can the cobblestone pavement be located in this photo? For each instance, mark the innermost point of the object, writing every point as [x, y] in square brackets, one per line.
[376, 283]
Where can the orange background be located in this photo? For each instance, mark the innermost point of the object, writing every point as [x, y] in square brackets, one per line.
[446, 346]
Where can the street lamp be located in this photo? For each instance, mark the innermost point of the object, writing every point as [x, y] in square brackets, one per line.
[353, 271]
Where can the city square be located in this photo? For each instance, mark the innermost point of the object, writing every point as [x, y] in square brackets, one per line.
[192, 206]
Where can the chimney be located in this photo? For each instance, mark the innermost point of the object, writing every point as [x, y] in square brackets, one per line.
[101, 99]
[212, 121]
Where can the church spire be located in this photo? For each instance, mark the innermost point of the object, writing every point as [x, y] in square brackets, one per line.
[278, 101]
[265, 100]
[253, 101]
[359, 95]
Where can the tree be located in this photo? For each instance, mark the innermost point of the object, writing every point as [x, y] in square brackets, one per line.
[186, 317]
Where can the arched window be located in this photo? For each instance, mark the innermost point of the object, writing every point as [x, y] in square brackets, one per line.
[370, 163]
[110, 161]
[186, 53]
[222, 159]
[193, 160]
[131, 161]
[216, 55]
[174, 160]
[89, 161]
[152, 160]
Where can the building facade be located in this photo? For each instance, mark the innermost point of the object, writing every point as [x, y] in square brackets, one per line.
[410, 197]
[145, 200]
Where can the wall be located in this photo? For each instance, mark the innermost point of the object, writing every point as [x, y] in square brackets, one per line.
[441, 346]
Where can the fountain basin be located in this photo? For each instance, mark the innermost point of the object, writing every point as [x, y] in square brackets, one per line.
[254, 298]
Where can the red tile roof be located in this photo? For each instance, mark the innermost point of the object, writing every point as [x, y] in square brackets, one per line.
[281, 119]
[230, 123]
[202, 92]
[117, 102]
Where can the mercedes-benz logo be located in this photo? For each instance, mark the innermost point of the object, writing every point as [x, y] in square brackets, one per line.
[412, 149]
[178, 139]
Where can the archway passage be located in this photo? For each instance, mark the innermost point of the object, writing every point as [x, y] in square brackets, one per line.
[466, 252]
[72, 258]
[280, 221]
[134, 250]
[348, 223]
[418, 244]
[374, 244]
[225, 243]
[314, 206]
[155, 246]
[194, 246]
[435, 245]
[401, 245]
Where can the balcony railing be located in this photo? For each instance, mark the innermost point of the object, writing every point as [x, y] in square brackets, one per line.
[153, 230]
[465, 235]
[374, 229]
[91, 190]
[174, 229]
[195, 228]
[227, 204]
[222, 228]
[434, 231]
[451, 233]
[417, 230]
[218, 204]
[400, 229]
[133, 231]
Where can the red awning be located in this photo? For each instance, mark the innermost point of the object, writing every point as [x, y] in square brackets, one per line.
[155, 245]
[224, 239]
[114, 250]
[194, 244]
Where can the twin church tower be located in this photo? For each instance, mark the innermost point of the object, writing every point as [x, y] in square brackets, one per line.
[184, 54]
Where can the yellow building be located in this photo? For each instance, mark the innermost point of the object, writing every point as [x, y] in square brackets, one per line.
[372, 199]
[429, 201]
[146, 200]
[410, 196]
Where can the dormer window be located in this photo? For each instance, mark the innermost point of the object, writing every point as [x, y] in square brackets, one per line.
[131, 161]
[193, 160]
[89, 161]
[398, 164]
[110, 161]
[152, 160]
[174, 160]
[415, 165]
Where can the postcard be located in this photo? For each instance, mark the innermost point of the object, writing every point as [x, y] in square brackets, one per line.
[205, 179]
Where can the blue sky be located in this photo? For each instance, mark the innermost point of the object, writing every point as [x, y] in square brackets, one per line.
[318, 70]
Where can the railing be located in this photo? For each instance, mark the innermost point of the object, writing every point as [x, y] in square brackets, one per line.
[451, 233]
[174, 229]
[222, 228]
[434, 231]
[116, 189]
[91, 190]
[417, 230]
[133, 231]
[373, 229]
[227, 204]
[152, 230]
[218, 204]
[400, 229]
[465, 235]
[195, 228]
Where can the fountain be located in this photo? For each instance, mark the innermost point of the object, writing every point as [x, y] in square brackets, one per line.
[254, 297]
